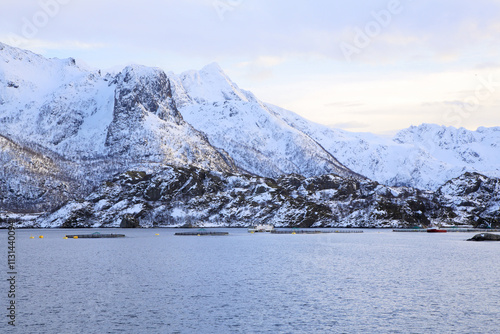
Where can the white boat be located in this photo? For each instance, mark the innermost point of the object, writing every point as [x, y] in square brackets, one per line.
[261, 228]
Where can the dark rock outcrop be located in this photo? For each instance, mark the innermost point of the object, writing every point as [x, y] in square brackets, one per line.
[485, 237]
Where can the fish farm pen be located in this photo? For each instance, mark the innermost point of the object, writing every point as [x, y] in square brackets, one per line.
[313, 231]
[94, 235]
[200, 233]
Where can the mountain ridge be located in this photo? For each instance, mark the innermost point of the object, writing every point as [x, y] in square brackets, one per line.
[414, 157]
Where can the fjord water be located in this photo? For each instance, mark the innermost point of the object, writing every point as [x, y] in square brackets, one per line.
[375, 282]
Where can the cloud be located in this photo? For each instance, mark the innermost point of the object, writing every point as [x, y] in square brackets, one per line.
[349, 125]
[344, 104]
[260, 68]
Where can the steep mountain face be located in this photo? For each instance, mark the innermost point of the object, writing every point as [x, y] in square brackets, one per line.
[147, 126]
[236, 121]
[422, 156]
[177, 196]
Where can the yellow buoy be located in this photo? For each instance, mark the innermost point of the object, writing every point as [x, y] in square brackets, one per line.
[32, 237]
[41, 237]
[75, 237]
[198, 234]
[157, 234]
[65, 237]
[294, 233]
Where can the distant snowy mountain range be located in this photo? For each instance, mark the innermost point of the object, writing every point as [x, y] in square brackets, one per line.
[64, 129]
[423, 157]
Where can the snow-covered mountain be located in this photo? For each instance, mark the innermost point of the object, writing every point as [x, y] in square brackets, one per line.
[82, 115]
[424, 156]
[65, 129]
[132, 120]
[97, 124]
[470, 198]
[27, 176]
[267, 140]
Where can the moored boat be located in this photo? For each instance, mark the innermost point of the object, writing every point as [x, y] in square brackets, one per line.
[436, 230]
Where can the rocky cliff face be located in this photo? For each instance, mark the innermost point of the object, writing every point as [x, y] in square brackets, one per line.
[147, 126]
[176, 196]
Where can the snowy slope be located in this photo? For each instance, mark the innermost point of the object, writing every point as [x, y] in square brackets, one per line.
[51, 101]
[236, 121]
[424, 156]
[472, 198]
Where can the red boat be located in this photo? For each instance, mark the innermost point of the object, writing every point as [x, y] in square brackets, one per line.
[435, 230]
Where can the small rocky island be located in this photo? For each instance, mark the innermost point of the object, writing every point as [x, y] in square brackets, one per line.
[485, 237]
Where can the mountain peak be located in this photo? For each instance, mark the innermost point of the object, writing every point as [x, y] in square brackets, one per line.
[135, 70]
[210, 85]
[213, 68]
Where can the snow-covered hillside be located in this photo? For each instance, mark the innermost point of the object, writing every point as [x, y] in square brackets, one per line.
[173, 196]
[471, 198]
[236, 121]
[28, 178]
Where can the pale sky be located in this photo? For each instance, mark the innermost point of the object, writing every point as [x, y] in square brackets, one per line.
[375, 66]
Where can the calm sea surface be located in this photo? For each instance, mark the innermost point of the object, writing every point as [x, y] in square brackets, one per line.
[375, 282]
